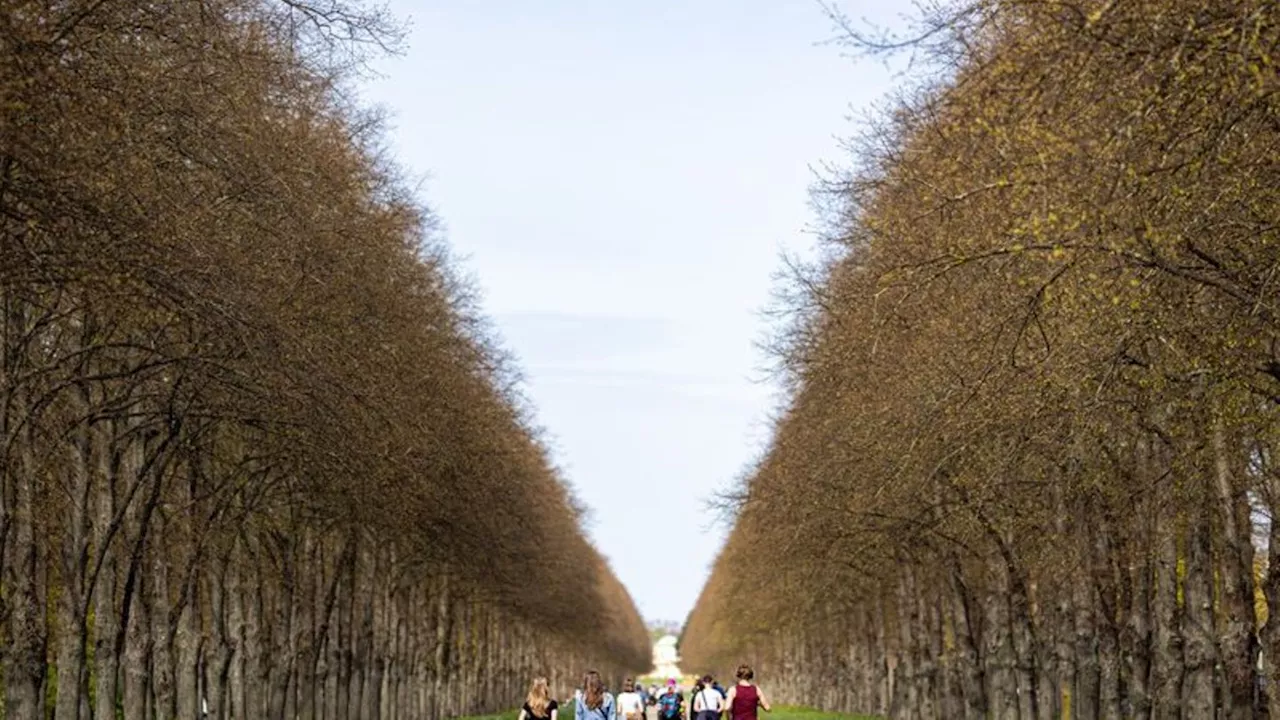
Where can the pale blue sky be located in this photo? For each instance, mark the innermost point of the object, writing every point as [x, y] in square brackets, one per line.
[622, 178]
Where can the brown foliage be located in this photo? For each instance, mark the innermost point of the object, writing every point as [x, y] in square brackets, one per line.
[257, 449]
[1035, 393]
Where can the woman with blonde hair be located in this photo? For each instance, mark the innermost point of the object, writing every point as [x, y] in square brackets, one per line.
[594, 702]
[539, 705]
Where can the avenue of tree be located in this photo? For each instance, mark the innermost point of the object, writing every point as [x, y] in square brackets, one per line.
[257, 449]
[1028, 467]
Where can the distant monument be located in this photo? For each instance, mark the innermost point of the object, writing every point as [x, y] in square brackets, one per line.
[666, 658]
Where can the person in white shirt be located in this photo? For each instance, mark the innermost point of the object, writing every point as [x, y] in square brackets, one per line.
[630, 706]
[707, 703]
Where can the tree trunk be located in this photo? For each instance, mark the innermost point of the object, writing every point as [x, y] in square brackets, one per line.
[106, 624]
[359, 633]
[884, 684]
[923, 660]
[162, 665]
[963, 615]
[1024, 639]
[24, 646]
[1167, 663]
[1000, 655]
[1197, 620]
[908, 671]
[931, 600]
[1086, 694]
[281, 661]
[1136, 636]
[444, 631]
[218, 668]
[254, 636]
[71, 609]
[342, 654]
[1271, 591]
[1236, 640]
[187, 650]
[1106, 602]
[239, 678]
[137, 651]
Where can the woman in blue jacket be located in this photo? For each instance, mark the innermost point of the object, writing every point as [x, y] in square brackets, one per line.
[594, 702]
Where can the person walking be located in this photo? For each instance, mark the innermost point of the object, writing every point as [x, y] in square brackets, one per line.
[707, 703]
[745, 697]
[594, 702]
[539, 705]
[669, 705]
[630, 704]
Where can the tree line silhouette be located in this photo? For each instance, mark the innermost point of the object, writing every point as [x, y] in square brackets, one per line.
[260, 455]
[1027, 468]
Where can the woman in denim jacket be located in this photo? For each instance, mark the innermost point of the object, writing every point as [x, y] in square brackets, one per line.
[594, 702]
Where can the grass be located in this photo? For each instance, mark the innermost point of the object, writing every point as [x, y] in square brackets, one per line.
[566, 713]
[779, 713]
[800, 713]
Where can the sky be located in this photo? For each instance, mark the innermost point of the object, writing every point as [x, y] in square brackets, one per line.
[622, 179]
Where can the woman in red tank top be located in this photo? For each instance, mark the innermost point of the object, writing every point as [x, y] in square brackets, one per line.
[745, 697]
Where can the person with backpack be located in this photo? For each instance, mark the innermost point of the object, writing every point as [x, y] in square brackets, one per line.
[669, 705]
[593, 702]
[693, 693]
[707, 703]
[745, 698]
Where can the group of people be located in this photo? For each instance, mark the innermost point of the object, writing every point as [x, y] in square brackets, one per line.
[707, 700]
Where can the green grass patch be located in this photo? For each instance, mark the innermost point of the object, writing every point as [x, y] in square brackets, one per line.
[801, 713]
[566, 713]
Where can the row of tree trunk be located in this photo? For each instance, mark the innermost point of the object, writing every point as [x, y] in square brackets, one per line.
[1155, 610]
[139, 581]
[1132, 620]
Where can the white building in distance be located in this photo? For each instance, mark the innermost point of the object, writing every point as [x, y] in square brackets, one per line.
[666, 658]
